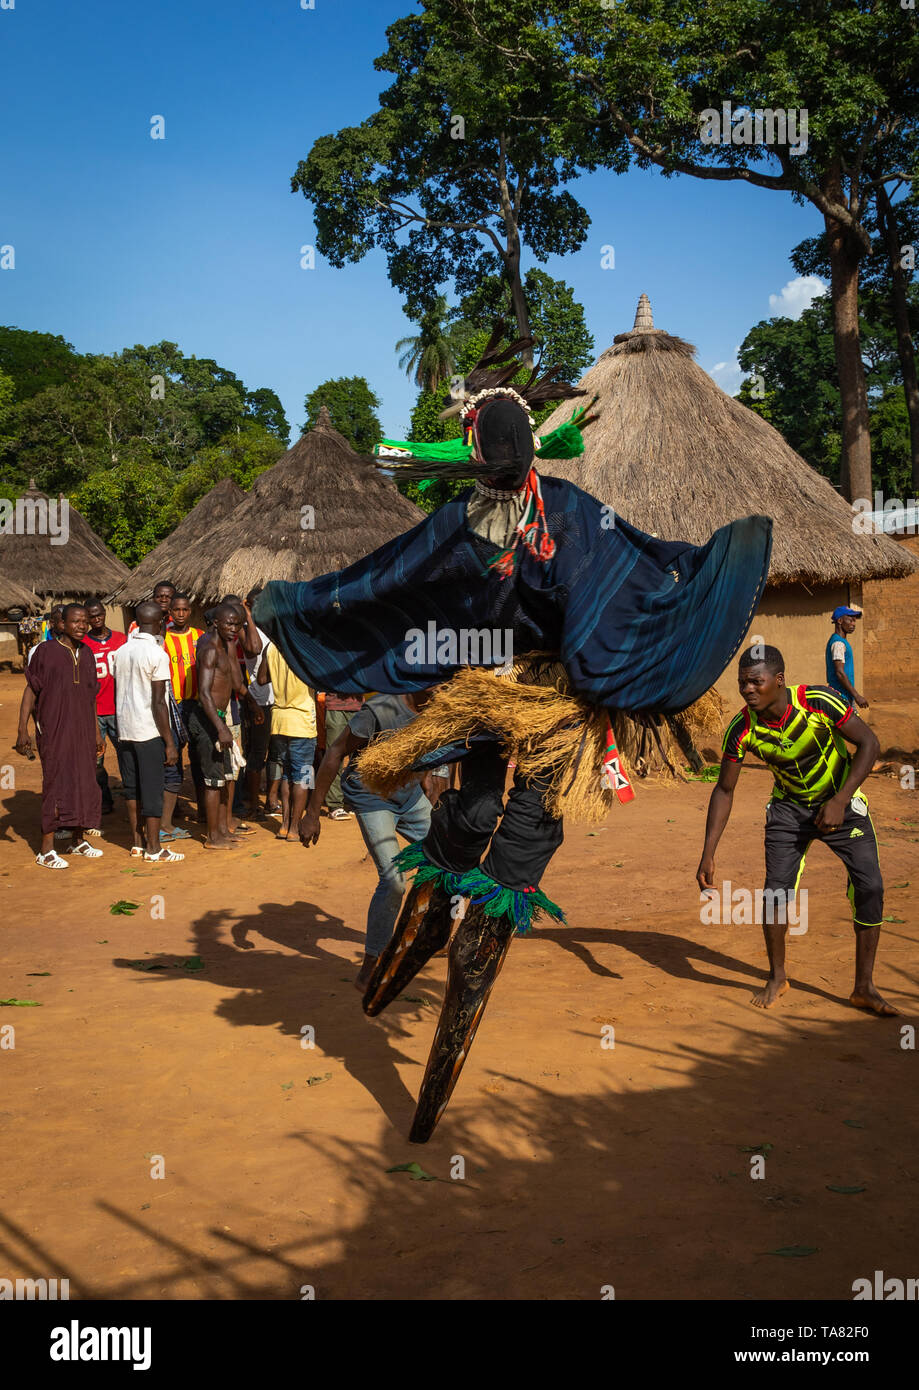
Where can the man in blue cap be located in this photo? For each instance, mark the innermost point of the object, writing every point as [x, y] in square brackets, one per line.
[840, 663]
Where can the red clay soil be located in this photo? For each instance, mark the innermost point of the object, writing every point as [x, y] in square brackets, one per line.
[584, 1165]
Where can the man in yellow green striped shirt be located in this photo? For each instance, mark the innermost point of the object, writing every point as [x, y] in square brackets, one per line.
[801, 733]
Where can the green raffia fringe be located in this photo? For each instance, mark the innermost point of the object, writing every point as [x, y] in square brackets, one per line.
[521, 908]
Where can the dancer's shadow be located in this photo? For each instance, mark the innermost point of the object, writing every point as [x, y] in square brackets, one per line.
[672, 954]
[312, 988]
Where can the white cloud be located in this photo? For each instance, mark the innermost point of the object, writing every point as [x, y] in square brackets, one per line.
[796, 296]
[727, 375]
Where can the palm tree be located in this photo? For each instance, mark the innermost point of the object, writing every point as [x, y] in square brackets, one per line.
[430, 356]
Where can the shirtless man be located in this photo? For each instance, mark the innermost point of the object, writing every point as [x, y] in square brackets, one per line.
[218, 677]
[798, 732]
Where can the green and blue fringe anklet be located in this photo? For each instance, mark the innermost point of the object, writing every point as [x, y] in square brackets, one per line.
[520, 906]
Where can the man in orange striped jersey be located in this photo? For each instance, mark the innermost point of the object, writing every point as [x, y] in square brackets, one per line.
[179, 645]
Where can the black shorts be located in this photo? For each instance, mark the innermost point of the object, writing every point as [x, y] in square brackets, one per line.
[255, 739]
[143, 773]
[790, 830]
[215, 767]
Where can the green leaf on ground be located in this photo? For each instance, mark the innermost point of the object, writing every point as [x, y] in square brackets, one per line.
[416, 1170]
[795, 1252]
[854, 1124]
[831, 1187]
[123, 908]
[317, 1080]
[763, 1149]
[194, 963]
[37, 974]
[147, 965]
[901, 885]
[286, 1085]
[894, 919]
[103, 942]
[20, 1003]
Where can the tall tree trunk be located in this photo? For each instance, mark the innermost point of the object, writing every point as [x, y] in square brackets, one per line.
[845, 255]
[518, 298]
[905, 349]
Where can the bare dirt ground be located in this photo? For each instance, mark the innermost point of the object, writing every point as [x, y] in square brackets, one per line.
[585, 1166]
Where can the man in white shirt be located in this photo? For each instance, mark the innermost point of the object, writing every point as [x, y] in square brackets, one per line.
[145, 743]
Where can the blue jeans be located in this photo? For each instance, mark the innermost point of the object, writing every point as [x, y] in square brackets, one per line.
[380, 829]
[296, 758]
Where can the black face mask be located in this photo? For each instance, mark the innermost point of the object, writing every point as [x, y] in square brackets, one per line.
[505, 439]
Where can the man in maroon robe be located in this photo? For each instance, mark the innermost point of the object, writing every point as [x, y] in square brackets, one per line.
[60, 696]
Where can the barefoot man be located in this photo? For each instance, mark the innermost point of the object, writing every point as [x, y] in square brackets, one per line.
[798, 732]
[218, 676]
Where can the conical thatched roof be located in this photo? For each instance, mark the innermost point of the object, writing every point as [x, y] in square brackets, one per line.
[13, 595]
[83, 565]
[319, 508]
[677, 457]
[159, 563]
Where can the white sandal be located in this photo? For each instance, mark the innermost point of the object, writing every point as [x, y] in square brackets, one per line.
[51, 860]
[87, 850]
[165, 856]
[137, 851]
[96, 834]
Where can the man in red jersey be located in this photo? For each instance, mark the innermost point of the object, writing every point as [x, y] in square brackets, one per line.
[104, 643]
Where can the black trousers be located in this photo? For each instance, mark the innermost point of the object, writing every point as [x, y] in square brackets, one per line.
[790, 830]
[465, 820]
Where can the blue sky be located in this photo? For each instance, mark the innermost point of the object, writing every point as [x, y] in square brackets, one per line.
[121, 239]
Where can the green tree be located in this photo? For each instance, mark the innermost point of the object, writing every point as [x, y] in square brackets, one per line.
[429, 357]
[36, 360]
[793, 383]
[128, 506]
[453, 175]
[657, 72]
[894, 301]
[557, 319]
[241, 455]
[264, 408]
[352, 407]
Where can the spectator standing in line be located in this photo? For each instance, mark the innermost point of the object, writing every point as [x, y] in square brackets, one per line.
[60, 698]
[208, 734]
[179, 644]
[145, 739]
[103, 642]
[339, 710]
[293, 728]
[840, 661]
[256, 718]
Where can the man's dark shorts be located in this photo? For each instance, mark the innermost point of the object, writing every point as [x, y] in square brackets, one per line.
[142, 767]
[215, 766]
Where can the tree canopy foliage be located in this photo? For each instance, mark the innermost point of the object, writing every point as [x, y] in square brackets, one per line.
[133, 438]
[352, 407]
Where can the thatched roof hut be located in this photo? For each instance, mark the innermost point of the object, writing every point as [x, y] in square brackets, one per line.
[50, 549]
[13, 595]
[676, 456]
[318, 509]
[207, 513]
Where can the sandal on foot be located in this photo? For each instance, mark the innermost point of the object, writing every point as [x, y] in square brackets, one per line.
[96, 834]
[163, 856]
[340, 814]
[87, 850]
[137, 851]
[51, 860]
[179, 834]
